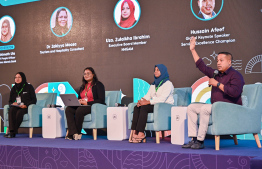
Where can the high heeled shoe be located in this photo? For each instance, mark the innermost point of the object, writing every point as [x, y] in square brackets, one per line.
[131, 140]
[139, 140]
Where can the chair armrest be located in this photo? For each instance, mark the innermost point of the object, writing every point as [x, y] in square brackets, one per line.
[35, 115]
[6, 109]
[162, 116]
[99, 115]
[130, 114]
[231, 118]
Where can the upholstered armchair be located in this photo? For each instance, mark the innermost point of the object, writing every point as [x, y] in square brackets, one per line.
[98, 117]
[160, 118]
[233, 119]
[34, 116]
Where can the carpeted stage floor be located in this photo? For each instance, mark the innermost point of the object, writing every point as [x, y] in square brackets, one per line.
[22, 152]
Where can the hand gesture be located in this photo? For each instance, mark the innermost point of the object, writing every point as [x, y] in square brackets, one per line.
[82, 101]
[212, 82]
[23, 106]
[192, 43]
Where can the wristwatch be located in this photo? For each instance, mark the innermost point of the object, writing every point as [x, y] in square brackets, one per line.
[218, 84]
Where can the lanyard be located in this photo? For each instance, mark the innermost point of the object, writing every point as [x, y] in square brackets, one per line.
[20, 90]
[160, 83]
[87, 89]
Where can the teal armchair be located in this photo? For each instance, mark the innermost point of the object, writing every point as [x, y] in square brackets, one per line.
[160, 118]
[34, 116]
[233, 119]
[98, 117]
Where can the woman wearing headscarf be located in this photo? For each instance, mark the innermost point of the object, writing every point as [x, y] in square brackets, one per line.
[61, 27]
[21, 96]
[160, 91]
[6, 31]
[127, 14]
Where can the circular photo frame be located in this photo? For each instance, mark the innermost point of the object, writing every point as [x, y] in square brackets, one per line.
[7, 29]
[61, 21]
[127, 13]
[206, 10]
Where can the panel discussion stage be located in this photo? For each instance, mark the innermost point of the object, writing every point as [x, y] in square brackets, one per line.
[38, 152]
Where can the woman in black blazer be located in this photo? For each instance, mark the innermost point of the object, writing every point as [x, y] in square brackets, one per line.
[91, 91]
[21, 96]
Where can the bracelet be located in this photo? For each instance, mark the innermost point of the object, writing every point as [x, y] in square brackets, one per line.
[218, 84]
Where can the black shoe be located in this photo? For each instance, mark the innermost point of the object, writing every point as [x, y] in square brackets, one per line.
[11, 135]
[198, 145]
[6, 135]
[189, 144]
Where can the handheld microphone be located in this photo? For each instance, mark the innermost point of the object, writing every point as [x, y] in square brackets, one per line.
[120, 105]
[214, 75]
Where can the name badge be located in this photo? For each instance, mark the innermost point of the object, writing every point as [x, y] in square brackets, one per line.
[18, 100]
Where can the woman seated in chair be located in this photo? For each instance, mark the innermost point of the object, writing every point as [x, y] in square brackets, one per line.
[21, 96]
[91, 91]
[161, 91]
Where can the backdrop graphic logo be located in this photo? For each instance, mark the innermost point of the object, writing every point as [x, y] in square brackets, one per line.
[254, 65]
[201, 92]
[15, 2]
[58, 88]
[140, 88]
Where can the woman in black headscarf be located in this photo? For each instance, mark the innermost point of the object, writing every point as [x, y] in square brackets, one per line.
[21, 96]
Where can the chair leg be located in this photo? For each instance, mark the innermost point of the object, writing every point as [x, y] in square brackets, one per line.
[95, 134]
[7, 130]
[217, 140]
[157, 137]
[163, 134]
[235, 139]
[257, 140]
[31, 132]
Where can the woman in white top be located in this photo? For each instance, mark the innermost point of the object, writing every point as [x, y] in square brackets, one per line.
[161, 91]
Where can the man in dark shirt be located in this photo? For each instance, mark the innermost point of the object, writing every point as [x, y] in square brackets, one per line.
[227, 86]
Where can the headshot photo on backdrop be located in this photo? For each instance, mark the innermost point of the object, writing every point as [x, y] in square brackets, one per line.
[127, 13]
[7, 29]
[61, 21]
[206, 9]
